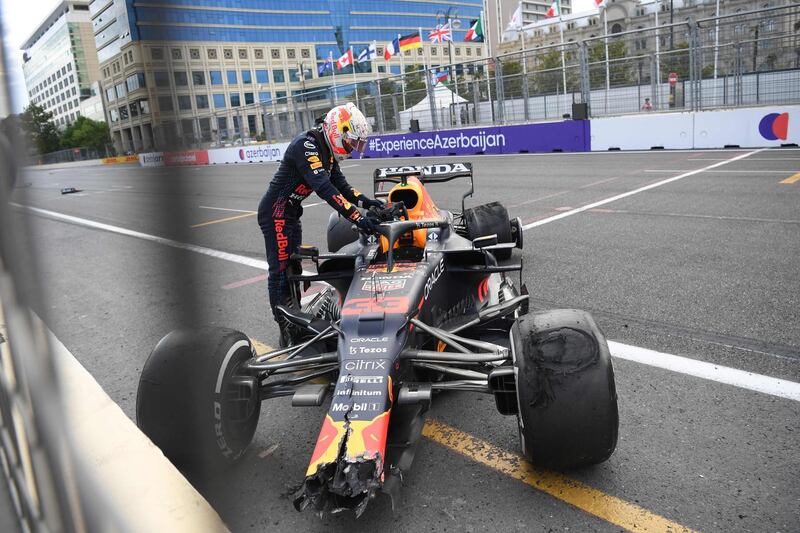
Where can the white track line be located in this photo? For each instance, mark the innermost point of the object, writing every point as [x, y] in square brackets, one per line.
[729, 171]
[234, 258]
[577, 210]
[226, 209]
[701, 369]
[675, 363]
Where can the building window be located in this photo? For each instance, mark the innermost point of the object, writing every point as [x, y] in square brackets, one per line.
[198, 77]
[184, 102]
[114, 115]
[162, 78]
[261, 76]
[212, 53]
[135, 81]
[222, 127]
[275, 53]
[258, 53]
[281, 95]
[176, 53]
[144, 106]
[121, 90]
[479, 52]
[293, 75]
[181, 79]
[235, 100]
[219, 101]
[227, 53]
[232, 80]
[278, 76]
[248, 98]
[165, 103]
[194, 53]
[134, 109]
[123, 112]
[263, 97]
[215, 76]
[110, 95]
[247, 77]
[242, 53]
[201, 101]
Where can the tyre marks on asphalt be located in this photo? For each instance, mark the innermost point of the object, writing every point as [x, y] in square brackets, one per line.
[604, 506]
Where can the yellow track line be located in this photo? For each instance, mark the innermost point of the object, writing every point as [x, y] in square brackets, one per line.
[606, 507]
[792, 179]
[609, 508]
[226, 219]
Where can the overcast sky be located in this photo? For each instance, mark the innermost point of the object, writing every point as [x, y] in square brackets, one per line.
[21, 17]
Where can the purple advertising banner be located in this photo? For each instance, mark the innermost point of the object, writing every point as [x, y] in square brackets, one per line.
[567, 136]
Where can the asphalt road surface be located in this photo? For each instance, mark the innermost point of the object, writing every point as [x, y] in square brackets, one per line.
[704, 266]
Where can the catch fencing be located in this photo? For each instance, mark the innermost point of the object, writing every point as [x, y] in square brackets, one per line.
[736, 60]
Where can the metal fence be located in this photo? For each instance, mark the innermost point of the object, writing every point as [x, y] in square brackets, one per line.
[742, 59]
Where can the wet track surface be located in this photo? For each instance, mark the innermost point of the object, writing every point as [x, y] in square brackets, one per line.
[704, 267]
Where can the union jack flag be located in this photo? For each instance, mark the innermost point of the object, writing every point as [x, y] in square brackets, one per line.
[441, 34]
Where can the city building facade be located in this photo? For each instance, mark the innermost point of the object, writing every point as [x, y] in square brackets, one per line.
[60, 61]
[202, 69]
[630, 15]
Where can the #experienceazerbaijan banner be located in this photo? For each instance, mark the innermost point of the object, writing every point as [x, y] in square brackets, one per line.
[567, 136]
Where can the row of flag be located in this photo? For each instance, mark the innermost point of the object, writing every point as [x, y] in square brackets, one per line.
[440, 34]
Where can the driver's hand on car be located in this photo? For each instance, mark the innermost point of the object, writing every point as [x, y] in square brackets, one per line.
[367, 224]
[369, 203]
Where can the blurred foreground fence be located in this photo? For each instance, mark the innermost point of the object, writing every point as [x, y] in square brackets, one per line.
[742, 59]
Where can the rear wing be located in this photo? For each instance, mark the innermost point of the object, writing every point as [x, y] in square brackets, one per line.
[436, 173]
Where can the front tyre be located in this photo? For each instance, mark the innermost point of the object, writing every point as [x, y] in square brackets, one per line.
[195, 402]
[567, 398]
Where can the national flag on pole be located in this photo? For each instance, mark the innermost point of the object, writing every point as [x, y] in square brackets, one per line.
[346, 59]
[516, 19]
[440, 76]
[475, 32]
[441, 34]
[326, 66]
[367, 54]
[410, 41]
[555, 10]
[391, 49]
[600, 3]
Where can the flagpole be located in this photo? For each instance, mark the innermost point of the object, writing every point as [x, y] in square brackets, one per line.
[402, 70]
[374, 64]
[658, 61]
[563, 61]
[605, 39]
[333, 71]
[488, 77]
[355, 81]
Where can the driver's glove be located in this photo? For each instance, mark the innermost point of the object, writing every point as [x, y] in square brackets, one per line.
[367, 224]
[368, 202]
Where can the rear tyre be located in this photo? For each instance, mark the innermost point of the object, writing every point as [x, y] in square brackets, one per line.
[489, 219]
[568, 414]
[195, 402]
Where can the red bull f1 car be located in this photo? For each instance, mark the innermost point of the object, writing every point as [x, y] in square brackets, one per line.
[433, 303]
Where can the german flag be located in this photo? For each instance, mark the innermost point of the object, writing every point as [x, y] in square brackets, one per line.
[410, 42]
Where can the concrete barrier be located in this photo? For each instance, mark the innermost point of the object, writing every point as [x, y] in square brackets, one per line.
[670, 131]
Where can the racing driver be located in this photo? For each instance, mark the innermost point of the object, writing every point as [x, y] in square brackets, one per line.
[311, 164]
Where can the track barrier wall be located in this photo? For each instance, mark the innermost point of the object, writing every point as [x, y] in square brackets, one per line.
[758, 127]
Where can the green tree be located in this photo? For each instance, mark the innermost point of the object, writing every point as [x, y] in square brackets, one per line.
[512, 79]
[40, 129]
[416, 90]
[86, 133]
[619, 70]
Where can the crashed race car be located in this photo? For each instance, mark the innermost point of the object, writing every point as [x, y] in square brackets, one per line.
[434, 302]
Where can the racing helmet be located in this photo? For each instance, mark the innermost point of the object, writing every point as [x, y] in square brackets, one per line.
[346, 129]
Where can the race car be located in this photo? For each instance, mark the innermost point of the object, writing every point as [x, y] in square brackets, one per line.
[433, 303]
